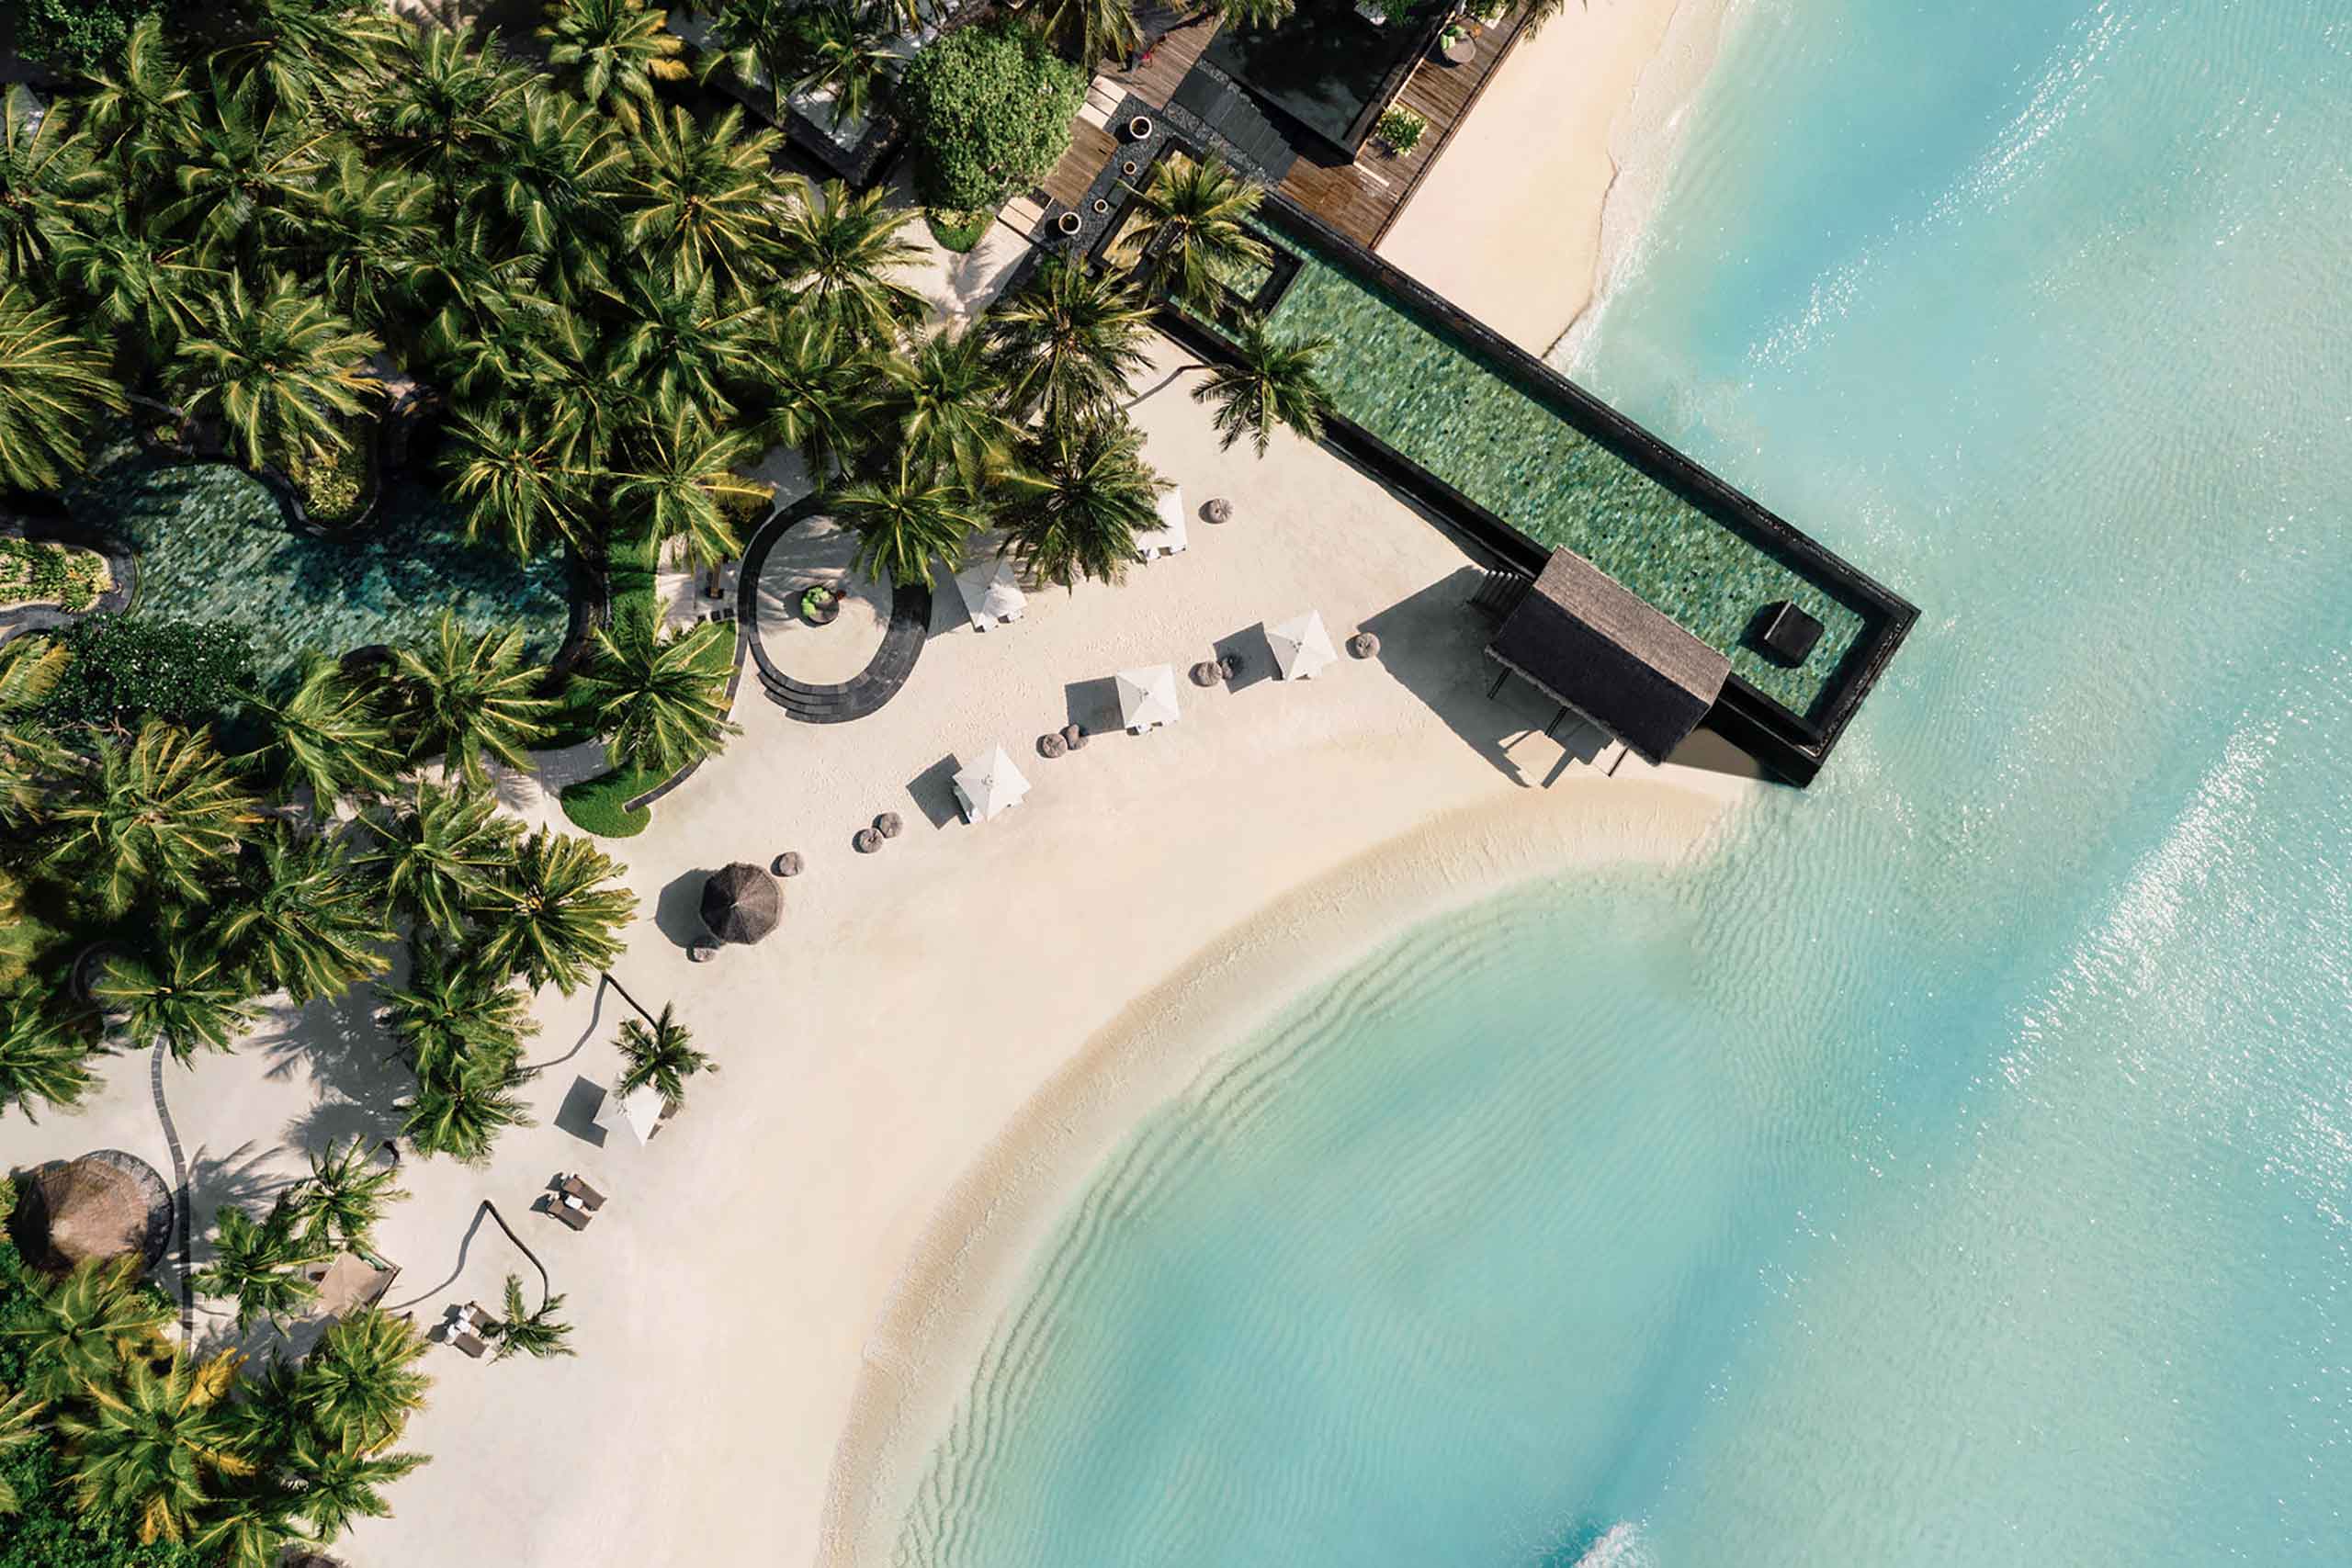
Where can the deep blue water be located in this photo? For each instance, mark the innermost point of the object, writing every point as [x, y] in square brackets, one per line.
[1955, 1170]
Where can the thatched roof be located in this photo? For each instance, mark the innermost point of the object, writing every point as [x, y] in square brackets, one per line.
[1590, 644]
[106, 1205]
[740, 903]
[349, 1283]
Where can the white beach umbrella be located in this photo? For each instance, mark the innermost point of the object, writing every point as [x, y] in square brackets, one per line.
[1302, 647]
[991, 785]
[639, 1112]
[1172, 534]
[991, 593]
[1148, 697]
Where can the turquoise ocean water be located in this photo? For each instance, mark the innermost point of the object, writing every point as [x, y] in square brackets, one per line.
[1957, 1169]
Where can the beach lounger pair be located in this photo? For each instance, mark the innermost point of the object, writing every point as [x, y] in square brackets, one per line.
[466, 1332]
[575, 1202]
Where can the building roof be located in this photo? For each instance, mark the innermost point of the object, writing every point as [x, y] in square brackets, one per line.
[1588, 642]
[106, 1205]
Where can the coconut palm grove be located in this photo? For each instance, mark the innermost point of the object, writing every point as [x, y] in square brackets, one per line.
[532, 309]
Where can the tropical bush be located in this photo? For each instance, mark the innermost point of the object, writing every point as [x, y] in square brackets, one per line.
[988, 110]
[43, 572]
[125, 668]
[77, 35]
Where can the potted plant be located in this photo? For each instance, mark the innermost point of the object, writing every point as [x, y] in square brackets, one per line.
[1069, 223]
[1400, 129]
[819, 605]
[1139, 128]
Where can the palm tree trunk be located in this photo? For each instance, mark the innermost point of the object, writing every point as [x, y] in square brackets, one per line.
[547, 1286]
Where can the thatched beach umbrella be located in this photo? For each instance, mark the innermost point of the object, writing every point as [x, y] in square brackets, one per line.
[106, 1205]
[740, 903]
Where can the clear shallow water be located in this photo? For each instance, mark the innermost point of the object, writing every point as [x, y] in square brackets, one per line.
[1956, 1170]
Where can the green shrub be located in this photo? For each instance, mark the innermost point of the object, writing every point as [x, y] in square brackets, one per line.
[598, 806]
[76, 35]
[1401, 129]
[957, 231]
[37, 573]
[332, 487]
[988, 110]
[124, 668]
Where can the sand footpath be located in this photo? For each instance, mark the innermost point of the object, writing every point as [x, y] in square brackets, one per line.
[1509, 223]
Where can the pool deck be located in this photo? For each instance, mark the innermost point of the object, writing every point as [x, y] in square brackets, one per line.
[1361, 199]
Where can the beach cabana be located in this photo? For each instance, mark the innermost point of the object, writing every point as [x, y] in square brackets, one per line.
[349, 1283]
[989, 787]
[740, 903]
[991, 594]
[638, 1113]
[1302, 647]
[1169, 537]
[1146, 698]
[106, 1205]
[1599, 650]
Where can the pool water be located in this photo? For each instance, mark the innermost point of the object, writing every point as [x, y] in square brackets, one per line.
[1432, 399]
[213, 545]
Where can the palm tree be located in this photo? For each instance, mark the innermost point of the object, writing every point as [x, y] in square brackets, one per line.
[275, 370]
[38, 1061]
[470, 698]
[53, 387]
[703, 198]
[80, 1329]
[135, 282]
[159, 814]
[554, 918]
[245, 167]
[148, 1445]
[904, 521]
[839, 251]
[346, 1193]
[1194, 230]
[1090, 31]
[337, 1485]
[460, 1108]
[446, 101]
[1075, 504]
[522, 479]
[248, 1523]
[30, 667]
[293, 47]
[368, 225]
[325, 735]
[811, 384]
[434, 855]
[1266, 383]
[176, 992]
[847, 59]
[361, 1383]
[940, 406]
[661, 1056]
[259, 1264]
[661, 700]
[301, 922]
[684, 344]
[549, 181]
[46, 183]
[19, 1414]
[141, 106]
[531, 1333]
[679, 475]
[1251, 16]
[1066, 345]
[612, 52]
[453, 1013]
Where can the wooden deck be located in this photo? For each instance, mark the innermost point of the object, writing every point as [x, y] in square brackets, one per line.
[1361, 199]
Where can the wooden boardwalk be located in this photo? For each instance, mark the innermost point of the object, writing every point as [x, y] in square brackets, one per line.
[1361, 199]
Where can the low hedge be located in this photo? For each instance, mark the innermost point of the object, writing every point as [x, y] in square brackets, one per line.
[599, 805]
[987, 111]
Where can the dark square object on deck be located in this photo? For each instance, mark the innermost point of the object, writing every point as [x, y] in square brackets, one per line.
[1785, 632]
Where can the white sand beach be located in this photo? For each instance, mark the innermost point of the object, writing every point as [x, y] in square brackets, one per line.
[929, 1055]
[1509, 222]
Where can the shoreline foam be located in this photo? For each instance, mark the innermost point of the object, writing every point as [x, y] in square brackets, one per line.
[973, 1264]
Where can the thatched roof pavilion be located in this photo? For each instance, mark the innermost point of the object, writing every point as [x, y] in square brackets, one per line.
[1595, 648]
[740, 903]
[106, 1205]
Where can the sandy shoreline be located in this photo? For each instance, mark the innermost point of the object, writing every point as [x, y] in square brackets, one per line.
[1544, 191]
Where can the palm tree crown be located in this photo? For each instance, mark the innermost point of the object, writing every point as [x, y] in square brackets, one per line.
[661, 1056]
[159, 814]
[258, 1264]
[557, 917]
[1194, 230]
[434, 853]
[1269, 382]
[1083, 493]
[325, 734]
[472, 698]
[904, 522]
[661, 700]
[148, 1445]
[612, 52]
[275, 370]
[1067, 343]
[53, 388]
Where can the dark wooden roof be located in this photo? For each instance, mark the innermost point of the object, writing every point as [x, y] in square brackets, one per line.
[1589, 643]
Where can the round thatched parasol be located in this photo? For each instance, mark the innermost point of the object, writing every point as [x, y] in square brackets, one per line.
[787, 863]
[106, 1205]
[888, 825]
[1363, 645]
[1206, 674]
[740, 903]
[1050, 745]
[866, 840]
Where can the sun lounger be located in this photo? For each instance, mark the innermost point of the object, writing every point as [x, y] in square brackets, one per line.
[570, 1213]
[590, 1198]
[466, 1339]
